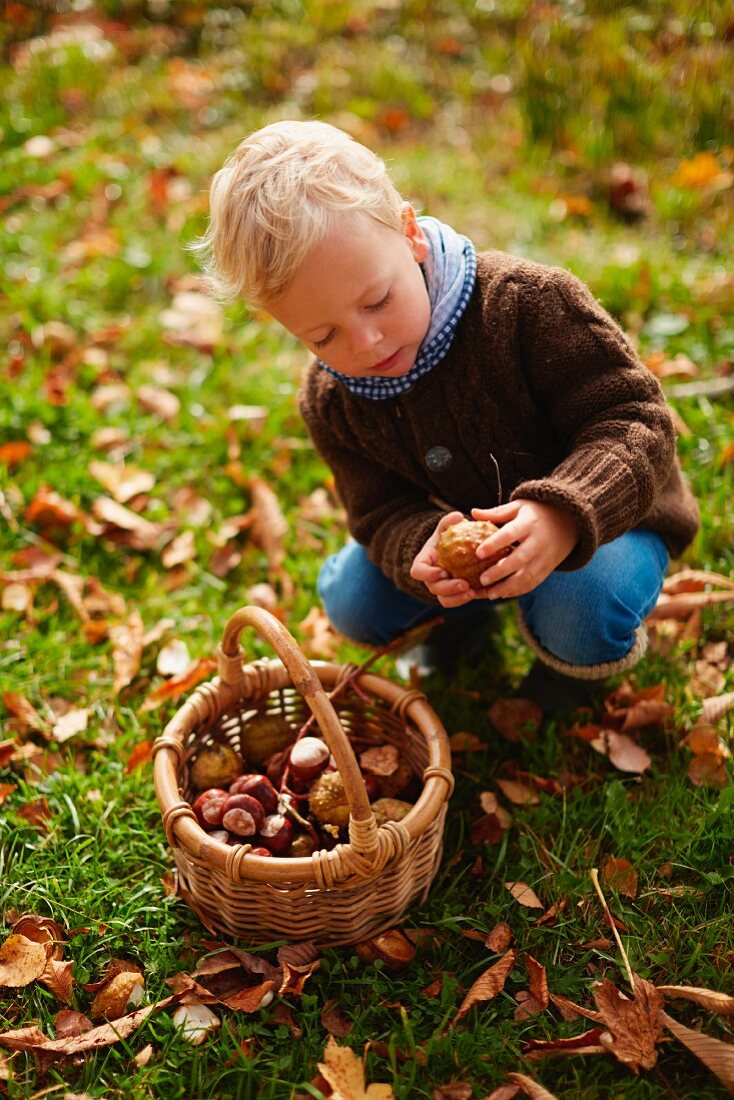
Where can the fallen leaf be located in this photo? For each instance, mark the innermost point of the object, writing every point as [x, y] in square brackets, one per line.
[622, 751]
[488, 984]
[538, 981]
[530, 1087]
[465, 742]
[194, 318]
[144, 1056]
[179, 550]
[159, 401]
[721, 1003]
[173, 658]
[586, 1043]
[715, 1054]
[196, 1021]
[334, 1019]
[197, 671]
[123, 990]
[58, 977]
[13, 453]
[714, 709]
[504, 1092]
[516, 719]
[704, 738]
[392, 947]
[122, 482]
[48, 1050]
[708, 770]
[142, 753]
[634, 1024]
[518, 793]
[127, 527]
[323, 641]
[69, 724]
[620, 875]
[646, 712]
[22, 961]
[454, 1090]
[19, 706]
[499, 939]
[68, 1024]
[523, 894]
[17, 597]
[127, 650]
[344, 1071]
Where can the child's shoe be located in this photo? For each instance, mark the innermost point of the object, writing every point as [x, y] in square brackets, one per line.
[465, 639]
[553, 691]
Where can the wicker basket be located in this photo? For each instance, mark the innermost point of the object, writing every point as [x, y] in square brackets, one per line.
[333, 897]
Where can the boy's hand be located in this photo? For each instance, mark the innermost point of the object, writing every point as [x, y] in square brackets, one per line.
[450, 592]
[539, 537]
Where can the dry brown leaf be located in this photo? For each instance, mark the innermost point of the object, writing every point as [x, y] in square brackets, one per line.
[179, 550]
[19, 706]
[715, 1054]
[69, 1024]
[714, 709]
[144, 1056]
[711, 999]
[334, 1020]
[127, 650]
[634, 1024]
[523, 894]
[122, 482]
[269, 526]
[499, 939]
[48, 511]
[17, 597]
[69, 724]
[708, 770]
[344, 1071]
[694, 580]
[160, 402]
[454, 1090]
[504, 1092]
[620, 875]
[463, 741]
[516, 719]
[518, 793]
[705, 738]
[645, 712]
[488, 984]
[587, 1043]
[137, 532]
[58, 977]
[22, 961]
[197, 671]
[530, 1087]
[538, 981]
[50, 1050]
[622, 751]
[323, 641]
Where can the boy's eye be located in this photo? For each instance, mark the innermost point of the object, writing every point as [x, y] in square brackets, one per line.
[382, 303]
[326, 340]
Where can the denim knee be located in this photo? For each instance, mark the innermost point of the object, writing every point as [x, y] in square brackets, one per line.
[591, 615]
[362, 603]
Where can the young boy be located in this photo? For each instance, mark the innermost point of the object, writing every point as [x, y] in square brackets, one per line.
[445, 384]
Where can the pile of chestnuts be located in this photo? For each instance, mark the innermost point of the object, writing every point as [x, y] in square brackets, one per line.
[292, 803]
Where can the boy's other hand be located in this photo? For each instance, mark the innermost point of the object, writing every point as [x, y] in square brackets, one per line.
[449, 591]
[539, 538]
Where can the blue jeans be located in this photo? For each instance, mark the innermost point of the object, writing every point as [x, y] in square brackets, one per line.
[588, 616]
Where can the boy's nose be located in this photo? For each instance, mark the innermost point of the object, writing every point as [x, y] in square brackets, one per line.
[366, 338]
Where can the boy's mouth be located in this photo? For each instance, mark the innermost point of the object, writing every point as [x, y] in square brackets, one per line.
[386, 364]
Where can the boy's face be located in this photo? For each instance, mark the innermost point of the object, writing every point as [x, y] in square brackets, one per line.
[359, 300]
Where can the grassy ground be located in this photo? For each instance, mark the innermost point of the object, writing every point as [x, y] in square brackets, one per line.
[505, 119]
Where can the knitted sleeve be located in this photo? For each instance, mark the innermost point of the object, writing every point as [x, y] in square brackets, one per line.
[388, 515]
[607, 409]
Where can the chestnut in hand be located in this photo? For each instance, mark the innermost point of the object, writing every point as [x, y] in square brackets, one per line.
[242, 815]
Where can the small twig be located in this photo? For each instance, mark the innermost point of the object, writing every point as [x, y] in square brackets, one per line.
[595, 879]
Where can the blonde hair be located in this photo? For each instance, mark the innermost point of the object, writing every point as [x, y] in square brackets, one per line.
[277, 196]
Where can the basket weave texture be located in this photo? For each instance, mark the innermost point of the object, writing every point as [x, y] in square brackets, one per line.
[336, 896]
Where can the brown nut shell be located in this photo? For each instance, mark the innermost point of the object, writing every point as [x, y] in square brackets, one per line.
[457, 550]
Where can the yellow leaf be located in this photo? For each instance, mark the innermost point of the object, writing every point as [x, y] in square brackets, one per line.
[344, 1071]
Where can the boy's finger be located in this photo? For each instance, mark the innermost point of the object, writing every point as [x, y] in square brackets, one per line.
[501, 512]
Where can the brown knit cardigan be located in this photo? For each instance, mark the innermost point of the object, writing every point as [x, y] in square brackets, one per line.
[540, 396]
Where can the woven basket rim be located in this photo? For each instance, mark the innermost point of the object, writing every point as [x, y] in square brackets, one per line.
[258, 679]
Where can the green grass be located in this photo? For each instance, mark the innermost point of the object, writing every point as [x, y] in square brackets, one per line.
[493, 158]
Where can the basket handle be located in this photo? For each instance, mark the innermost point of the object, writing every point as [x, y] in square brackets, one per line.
[307, 683]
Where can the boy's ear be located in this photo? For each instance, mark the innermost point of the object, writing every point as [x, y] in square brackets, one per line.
[413, 233]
